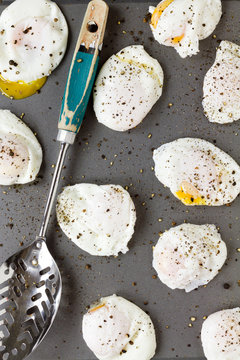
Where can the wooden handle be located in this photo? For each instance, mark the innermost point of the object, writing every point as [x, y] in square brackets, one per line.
[83, 67]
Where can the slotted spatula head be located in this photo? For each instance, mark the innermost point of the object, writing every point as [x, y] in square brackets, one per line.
[30, 292]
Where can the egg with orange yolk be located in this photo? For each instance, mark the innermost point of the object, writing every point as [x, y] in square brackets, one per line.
[33, 40]
[20, 152]
[197, 172]
[188, 256]
[182, 23]
[115, 328]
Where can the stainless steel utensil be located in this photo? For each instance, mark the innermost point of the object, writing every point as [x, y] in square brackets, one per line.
[30, 281]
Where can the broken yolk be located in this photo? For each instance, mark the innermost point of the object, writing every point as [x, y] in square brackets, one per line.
[188, 199]
[19, 89]
[189, 195]
[96, 308]
[177, 39]
[157, 14]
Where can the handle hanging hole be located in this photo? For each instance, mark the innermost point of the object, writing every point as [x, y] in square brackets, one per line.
[92, 26]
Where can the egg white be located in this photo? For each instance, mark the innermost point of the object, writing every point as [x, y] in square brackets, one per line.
[98, 219]
[221, 89]
[188, 256]
[127, 87]
[119, 330]
[206, 168]
[220, 335]
[20, 151]
[193, 18]
[33, 39]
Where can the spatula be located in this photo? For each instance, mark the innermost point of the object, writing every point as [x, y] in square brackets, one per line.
[30, 281]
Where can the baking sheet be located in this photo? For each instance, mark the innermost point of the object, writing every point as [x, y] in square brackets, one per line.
[89, 160]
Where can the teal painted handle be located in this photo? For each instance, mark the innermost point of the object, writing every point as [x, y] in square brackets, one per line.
[83, 67]
[73, 110]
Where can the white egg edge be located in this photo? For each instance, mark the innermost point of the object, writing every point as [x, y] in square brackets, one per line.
[7, 125]
[6, 21]
[200, 282]
[135, 351]
[122, 55]
[204, 145]
[229, 49]
[205, 331]
[123, 248]
[132, 52]
[206, 32]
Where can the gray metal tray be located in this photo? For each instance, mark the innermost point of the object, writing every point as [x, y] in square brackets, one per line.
[89, 161]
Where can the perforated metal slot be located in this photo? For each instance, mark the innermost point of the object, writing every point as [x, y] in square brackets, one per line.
[27, 302]
[22, 265]
[36, 297]
[45, 271]
[40, 284]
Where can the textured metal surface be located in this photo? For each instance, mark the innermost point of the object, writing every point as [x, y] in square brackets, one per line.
[30, 292]
[86, 278]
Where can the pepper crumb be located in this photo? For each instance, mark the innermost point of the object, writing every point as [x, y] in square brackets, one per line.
[226, 286]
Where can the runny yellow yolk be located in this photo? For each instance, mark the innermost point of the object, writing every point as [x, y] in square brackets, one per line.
[177, 39]
[189, 195]
[96, 308]
[19, 89]
[157, 14]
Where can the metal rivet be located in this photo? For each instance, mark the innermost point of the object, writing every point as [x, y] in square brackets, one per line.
[34, 262]
[14, 352]
[23, 346]
[38, 245]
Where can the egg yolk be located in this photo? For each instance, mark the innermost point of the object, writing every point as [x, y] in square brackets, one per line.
[177, 39]
[96, 308]
[156, 16]
[158, 12]
[189, 195]
[19, 89]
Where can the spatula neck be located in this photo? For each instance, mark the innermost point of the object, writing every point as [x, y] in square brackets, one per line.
[53, 189]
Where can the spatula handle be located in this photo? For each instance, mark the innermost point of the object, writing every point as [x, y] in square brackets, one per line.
[83, 67]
